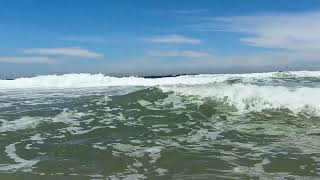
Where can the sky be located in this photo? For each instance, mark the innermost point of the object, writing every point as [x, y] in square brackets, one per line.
[149, 37]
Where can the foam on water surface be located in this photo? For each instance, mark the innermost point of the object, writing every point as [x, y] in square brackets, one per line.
[247, 126]
[20, 163]
[100, 80]
[19, 124]
[245, 94]
[256, 98]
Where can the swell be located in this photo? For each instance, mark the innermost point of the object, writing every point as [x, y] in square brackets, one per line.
[256, 98]
[83, 80]
[252, 92]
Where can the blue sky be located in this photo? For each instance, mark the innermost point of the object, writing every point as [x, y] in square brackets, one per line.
[149, 37]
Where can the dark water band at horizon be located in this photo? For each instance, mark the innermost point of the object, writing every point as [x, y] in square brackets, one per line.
[162, 132]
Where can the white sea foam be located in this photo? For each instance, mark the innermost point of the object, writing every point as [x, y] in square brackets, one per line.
[245, 95]
[253, 97]
[38, 138]
[71, 118]
[20, 163]
[18, 124]
[154, 153]
[99, 80]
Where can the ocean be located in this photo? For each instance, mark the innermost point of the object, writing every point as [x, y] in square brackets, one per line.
[218, 126]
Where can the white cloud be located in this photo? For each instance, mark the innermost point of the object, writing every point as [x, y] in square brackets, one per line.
[85, 39]
[189, 11]
[173, 39]
[182, 12]
[16, 59]
[253, 62]
[294, 32]
[68, 51]
[186, 54]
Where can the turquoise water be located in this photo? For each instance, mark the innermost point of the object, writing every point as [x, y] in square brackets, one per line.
[81, 126]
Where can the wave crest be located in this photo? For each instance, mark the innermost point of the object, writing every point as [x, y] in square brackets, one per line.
[256, 98]
[84, 80]
[255, 91]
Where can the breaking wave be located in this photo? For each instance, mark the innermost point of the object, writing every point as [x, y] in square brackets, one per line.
[257, 98]
[296, 90]
[83, 80]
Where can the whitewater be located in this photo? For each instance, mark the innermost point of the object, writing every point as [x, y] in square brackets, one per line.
[295, 90]
[206, 126]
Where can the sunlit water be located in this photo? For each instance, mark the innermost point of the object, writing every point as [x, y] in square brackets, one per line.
[82, 126]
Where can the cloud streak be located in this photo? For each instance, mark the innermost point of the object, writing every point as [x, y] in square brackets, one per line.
[293, 32]
[173, 39]
[68, 51]
[85, 39]
[16, 59]
[185, 54]
[189, 11]
[254, 62]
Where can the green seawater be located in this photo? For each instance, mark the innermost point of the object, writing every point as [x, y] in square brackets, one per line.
[149, 133]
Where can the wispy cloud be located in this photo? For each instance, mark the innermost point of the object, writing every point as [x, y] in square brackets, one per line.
[85, 39]
[189, 11]
[254, 62]
[180, 12]
[68, 51]
[16, 59]
[173, 39]
[294, 32]
[186, 54]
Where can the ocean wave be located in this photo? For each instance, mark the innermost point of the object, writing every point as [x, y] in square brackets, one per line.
[244, 91]
[83, 80]
[256, 98]
[100, 80]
